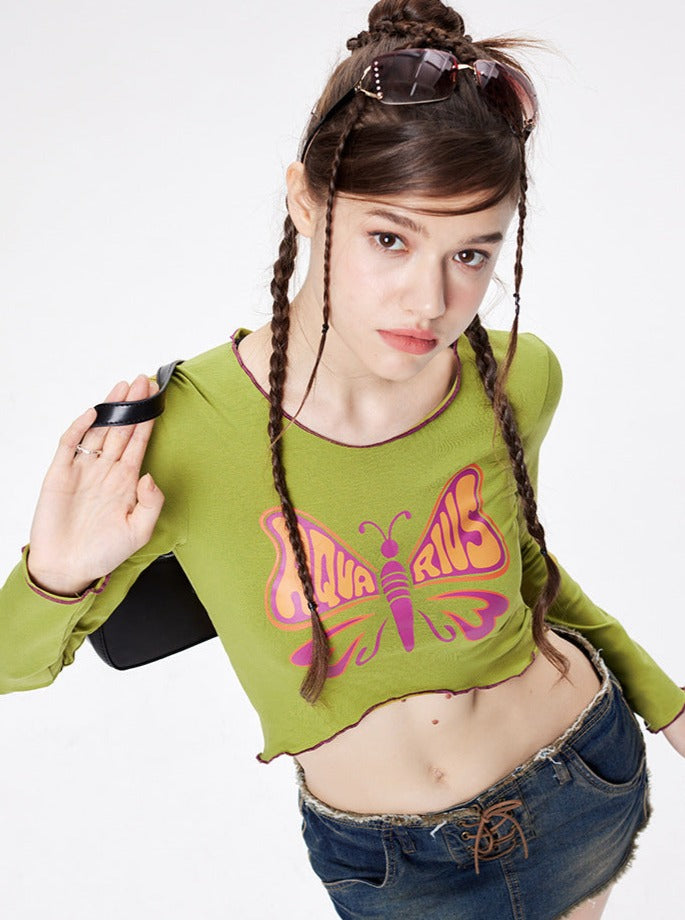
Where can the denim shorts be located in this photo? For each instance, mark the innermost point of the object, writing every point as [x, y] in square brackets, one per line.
[558, 829]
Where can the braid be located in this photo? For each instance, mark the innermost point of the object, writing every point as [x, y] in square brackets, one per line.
[428, 20]
[424, 32]
[518, 275]
[280, 325]
[487, 368]
[494, 385]
[355, 110]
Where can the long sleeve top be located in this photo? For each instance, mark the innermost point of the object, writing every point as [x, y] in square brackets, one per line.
[423, 569]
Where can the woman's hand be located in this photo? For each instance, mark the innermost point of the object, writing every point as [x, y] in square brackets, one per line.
[675, 733]
[94, 511]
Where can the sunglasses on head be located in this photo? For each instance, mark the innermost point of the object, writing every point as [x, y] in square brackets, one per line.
[414, 75]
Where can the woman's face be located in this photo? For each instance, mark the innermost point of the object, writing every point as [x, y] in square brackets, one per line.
[403, 285]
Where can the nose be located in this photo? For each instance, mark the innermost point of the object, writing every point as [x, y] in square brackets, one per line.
[427, 297]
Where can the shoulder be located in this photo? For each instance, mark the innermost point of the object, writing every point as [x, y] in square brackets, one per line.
[534, 359]
[189, 439]
[535, 378]
[197, 400]
[205, 370]
[205, 383]
[211, 398]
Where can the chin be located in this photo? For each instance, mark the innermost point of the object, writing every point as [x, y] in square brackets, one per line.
[398, 371]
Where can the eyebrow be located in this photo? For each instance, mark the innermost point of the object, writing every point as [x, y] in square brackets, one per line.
[407, 222]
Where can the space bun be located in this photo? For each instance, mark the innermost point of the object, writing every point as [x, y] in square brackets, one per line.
[428, 21]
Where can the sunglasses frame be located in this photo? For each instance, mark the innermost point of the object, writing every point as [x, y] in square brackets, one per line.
[510, 74]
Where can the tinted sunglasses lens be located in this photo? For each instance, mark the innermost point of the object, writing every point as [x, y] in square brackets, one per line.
[413, 75]
[507, 87]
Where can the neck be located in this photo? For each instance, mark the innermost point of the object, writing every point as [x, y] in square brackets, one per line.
[347, 402]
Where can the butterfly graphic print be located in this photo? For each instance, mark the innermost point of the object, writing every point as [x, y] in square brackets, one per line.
[364, 605]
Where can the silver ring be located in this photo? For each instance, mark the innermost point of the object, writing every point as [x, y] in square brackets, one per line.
[85, 450]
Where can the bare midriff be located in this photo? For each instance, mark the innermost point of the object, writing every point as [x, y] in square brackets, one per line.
[429, 751]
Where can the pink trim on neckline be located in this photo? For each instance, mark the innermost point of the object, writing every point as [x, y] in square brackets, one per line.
[441, 408]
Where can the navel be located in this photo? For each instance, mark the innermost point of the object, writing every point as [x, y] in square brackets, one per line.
[437, 774]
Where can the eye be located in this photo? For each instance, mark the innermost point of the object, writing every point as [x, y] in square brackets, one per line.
[481, 258]
[385, 240]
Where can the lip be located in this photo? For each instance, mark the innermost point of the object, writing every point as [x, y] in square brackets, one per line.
[412, 341]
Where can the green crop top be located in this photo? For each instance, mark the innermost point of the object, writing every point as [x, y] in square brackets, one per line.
[423, 571]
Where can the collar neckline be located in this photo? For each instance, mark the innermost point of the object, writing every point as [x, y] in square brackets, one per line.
[441, 407]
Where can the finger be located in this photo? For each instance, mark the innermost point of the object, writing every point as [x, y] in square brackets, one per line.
[72, 436]
[95, 437]
[147, 510]
[81, 432]
[119, 436]
[134, 450]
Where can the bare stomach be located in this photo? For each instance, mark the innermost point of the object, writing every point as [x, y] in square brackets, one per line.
[430, 751]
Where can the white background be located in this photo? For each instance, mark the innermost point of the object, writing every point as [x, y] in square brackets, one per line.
[144, 146]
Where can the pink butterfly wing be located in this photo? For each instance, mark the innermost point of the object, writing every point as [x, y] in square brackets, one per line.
[459, 539]
[341, 579]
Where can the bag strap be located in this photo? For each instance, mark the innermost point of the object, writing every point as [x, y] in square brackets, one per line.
[137, 410]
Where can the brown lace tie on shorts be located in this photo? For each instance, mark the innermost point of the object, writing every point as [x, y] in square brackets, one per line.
[502, 811]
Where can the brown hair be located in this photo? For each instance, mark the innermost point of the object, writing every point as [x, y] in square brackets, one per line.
[457, 146]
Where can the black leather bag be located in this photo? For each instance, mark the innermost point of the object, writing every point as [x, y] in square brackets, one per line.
[161, 614]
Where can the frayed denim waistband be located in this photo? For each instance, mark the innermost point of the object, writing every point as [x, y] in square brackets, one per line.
[474, 806]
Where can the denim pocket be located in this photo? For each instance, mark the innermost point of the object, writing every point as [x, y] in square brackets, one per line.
[610, 751]
[346, 854]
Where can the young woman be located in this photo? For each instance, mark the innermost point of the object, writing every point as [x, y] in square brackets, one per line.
[355, 506]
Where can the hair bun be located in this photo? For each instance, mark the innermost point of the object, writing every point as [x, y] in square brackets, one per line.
[428, 21]
[424, 34]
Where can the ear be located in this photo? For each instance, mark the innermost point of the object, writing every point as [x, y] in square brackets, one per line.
[304, 213]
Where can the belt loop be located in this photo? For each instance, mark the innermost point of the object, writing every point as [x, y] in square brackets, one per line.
[404, 838]
[561, 771]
